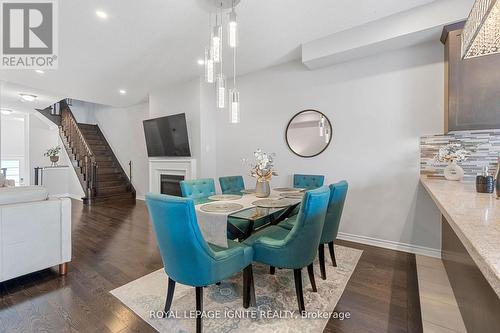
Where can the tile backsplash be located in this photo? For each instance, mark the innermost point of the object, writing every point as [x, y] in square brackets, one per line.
[484, 146]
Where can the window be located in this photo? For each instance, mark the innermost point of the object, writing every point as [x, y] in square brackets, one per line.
[13, 169]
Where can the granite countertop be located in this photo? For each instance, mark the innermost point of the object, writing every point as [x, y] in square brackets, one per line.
[475, 218]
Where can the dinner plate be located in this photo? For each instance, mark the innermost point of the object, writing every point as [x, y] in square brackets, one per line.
[292, 195]
[224, 197]
[273, 203]
[288, 189]
[221, 207]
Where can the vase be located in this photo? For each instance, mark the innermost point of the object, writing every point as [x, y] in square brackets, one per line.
[453, 171]
[262, 189]
[54, 160]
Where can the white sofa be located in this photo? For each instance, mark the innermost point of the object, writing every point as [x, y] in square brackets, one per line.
[35, 232]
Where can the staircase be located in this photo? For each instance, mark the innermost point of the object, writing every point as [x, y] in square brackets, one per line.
[100, 174]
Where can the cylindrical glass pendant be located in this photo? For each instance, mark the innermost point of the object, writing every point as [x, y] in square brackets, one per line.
[209, 67]
[232, 30]
[235, 106]
[221, 91]
[217, 43]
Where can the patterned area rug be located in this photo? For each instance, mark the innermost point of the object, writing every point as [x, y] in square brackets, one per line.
[276, 309]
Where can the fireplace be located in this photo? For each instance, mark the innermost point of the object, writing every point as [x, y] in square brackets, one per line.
[166, 173]
[170, 184]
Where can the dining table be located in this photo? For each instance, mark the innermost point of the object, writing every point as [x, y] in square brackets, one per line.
[214, 224]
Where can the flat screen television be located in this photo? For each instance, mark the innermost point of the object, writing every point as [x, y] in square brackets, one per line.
[167, 136]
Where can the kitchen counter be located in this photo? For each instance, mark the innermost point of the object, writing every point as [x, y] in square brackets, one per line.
[475, 219]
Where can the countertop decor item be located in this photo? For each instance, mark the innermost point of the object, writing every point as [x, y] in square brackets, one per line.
[497, 179]
[221, 207]
[224, 197]
[485, 183]
[53, 154]
[263, 170]
[308, 133]
[452, 154]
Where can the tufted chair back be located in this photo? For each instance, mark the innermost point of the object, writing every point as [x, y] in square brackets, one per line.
[198, 188]
[338, 193]
[187, 257]
[232, 184]
[309, 182]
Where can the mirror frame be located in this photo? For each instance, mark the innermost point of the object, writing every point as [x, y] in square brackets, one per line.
[288, 126]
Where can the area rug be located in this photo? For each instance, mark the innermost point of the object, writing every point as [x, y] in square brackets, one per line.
[276, 309]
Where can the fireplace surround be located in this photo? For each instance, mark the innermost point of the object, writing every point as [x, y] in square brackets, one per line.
[171, 171]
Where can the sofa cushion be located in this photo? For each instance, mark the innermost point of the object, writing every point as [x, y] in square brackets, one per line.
[13, 195]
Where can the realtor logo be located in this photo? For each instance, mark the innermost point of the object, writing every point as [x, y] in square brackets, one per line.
[29, 34]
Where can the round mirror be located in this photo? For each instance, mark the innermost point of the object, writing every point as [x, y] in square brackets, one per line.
[308, 133]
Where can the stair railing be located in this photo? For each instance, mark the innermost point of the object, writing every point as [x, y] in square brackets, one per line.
[81, 150]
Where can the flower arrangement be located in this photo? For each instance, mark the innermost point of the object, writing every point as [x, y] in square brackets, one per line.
[54, 151]
[453, 152]
[263, 168]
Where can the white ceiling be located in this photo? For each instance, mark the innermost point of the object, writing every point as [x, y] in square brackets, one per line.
[149, 43]
[10, 99]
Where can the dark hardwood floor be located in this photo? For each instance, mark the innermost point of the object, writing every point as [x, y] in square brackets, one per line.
[114, 244]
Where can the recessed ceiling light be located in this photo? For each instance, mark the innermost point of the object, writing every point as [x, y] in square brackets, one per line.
[201, 62]
[39, 71]
[6, 111]
[123, 92]
[101, 14]
[27, 97]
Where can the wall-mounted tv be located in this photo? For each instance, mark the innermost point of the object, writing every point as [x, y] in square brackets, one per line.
[167, 136]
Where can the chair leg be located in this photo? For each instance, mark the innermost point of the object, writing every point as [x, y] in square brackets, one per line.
[297, 274]
[170, 294]
[272, 270]
[332, 253]
[321, 250]
[248, 288]
[199, 309]
[310, 271]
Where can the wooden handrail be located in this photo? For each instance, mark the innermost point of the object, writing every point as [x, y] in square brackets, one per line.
[81, 149]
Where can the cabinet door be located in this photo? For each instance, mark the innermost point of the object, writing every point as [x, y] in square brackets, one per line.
[473, 88]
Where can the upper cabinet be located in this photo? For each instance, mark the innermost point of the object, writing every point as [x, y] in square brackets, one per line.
[472, 86]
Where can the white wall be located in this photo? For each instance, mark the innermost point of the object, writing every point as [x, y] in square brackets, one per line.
[194, 99]
[379, 107]
[83, 111]
[14, 144]
[42, 136]
[123, 130]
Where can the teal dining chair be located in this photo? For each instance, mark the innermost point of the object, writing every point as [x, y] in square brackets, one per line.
[295, 248]
[188, 259]
[309, 182]
[232, 184]
[198, 189]
[338, 193]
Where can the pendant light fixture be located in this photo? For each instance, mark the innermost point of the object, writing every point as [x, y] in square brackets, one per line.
[209, 67]
[481, 33]
[214, 65]
[217, 42]
[232, 28]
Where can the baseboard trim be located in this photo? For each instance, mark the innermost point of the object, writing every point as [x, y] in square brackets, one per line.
[140, 197]
[391, 245]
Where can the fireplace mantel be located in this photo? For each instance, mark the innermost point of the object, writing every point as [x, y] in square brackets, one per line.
[169, 166]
